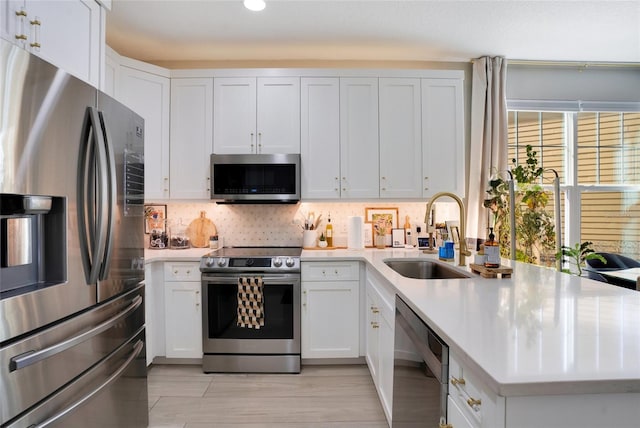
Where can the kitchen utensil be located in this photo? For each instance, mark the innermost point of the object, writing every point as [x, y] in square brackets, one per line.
[200, 230]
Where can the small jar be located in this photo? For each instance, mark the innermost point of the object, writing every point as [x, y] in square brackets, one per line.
[213, 242]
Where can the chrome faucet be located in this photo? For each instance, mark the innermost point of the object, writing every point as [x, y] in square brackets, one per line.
[463, 237]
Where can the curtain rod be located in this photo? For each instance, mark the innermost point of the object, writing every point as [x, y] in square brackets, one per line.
[584, 64]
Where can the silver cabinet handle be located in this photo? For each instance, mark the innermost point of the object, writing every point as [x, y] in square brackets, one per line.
[137, 348]
[31, 357]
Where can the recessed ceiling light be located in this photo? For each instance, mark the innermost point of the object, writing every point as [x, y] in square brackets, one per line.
[255, 5]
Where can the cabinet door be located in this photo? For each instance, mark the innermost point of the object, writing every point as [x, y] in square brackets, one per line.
[191, 138]
[320, 138]
[68, 35]
[234, 110]
[148, 95]
[400, 138]
[386, 350]
[183, 312]
[372, 336]
[278, 120]
[443, 157]
[359, 156]
[455, 417]
[330, 318]
[14, 22]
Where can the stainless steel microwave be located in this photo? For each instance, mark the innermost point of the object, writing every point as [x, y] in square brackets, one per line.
[255, 178]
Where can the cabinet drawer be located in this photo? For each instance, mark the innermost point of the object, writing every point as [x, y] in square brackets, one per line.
[330, 271]
[467, 391]
[181, 271]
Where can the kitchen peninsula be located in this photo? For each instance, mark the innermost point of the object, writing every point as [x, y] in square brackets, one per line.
[541, 348]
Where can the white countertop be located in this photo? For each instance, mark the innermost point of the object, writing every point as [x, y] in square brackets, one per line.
[538, 332]
[169, 255]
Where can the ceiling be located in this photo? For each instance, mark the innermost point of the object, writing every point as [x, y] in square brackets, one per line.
[165, 31]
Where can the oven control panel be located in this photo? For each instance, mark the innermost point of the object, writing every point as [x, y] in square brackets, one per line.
[249, 264]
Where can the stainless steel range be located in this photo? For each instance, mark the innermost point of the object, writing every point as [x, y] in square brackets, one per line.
[251, 310]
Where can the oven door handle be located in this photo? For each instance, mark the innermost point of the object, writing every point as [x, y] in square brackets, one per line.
[266, 279]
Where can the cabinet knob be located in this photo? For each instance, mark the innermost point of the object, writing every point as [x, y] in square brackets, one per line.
[374, 324]
[335, 271]
[35, 22]
[383, 189]
[21, 37]
[384, 178]
[374, 310]
[474, 403]
[21, 13]
[188, 272]
[455, 381]
[344, 189]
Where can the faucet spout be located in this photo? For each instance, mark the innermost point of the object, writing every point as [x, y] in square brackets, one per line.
[463, 237]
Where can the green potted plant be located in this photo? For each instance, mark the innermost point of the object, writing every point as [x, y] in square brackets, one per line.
[535, 230]
[578, 255]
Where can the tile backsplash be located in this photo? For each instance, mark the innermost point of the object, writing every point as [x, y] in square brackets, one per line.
[275, 225]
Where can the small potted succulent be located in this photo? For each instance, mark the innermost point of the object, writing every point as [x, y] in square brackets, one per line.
[322, 241]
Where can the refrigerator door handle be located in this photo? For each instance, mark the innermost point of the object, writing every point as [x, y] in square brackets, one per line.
[31, 357]
[92, 200]
[137, 348]
[110, 184]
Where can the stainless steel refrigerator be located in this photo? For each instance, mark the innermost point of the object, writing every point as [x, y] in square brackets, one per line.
[72, 325]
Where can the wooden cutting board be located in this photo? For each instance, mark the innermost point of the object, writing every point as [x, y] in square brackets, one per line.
[200, 230]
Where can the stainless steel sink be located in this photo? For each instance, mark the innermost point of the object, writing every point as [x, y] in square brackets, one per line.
[425, 269]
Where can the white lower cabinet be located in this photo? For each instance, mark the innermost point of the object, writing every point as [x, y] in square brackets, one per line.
[380, 319]
[183, 310]
[455, 417]
[330, 309]
[154, 310]
[479, 405]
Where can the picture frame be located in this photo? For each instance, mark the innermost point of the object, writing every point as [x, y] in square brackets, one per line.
[453, 231]
[155, 218]
[386, 217]
[397, 238]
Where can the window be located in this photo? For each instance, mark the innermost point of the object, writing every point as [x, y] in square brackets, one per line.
[597, 157]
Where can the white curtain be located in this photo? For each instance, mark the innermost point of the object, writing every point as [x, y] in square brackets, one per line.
[488, 137]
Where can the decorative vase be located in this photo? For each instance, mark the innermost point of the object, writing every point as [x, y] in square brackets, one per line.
[381, 241]
[322, 244]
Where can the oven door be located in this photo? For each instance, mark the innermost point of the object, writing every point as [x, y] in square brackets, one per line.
[281, 331]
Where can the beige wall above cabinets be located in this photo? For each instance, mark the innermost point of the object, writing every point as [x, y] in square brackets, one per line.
[256, 115]
[68, 34]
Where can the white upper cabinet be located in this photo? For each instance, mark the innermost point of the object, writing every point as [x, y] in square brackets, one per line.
[400, 138]
[443, 156]
[359, 156]
[256, 115]
[65, 33]
[320, 137]
[147, 94]
[191, 137]
[234, 115]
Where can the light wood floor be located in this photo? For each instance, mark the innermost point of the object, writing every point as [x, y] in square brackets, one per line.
[321, 396]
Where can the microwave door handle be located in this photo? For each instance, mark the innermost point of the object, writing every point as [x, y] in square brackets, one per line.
[86, 198]
[110, 197]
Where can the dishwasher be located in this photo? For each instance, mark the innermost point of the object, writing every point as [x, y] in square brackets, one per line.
[420, 372]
